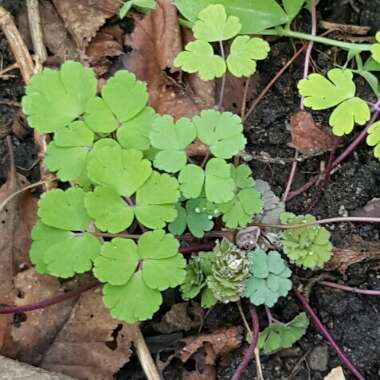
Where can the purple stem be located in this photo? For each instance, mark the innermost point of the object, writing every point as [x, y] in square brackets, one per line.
[346, 288]
[269, 315]
[48, 302]
[248, 355]
[322, 329]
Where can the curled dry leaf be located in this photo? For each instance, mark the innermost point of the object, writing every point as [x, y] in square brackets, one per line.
[83, 18]
[91, 345]
[308, 137]
[156, 40]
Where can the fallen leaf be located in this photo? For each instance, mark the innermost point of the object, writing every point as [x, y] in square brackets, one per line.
[360, 250]
[91, 345]
[370, 210]
[181, 317]
[83, 18]
[34, 335]
[222, 341]
[308, 137]
[208, 373]
[335, 374]
[155, 42]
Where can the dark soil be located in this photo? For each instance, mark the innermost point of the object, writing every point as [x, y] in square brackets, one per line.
[351, 319]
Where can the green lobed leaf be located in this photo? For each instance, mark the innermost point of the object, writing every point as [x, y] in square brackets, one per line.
[171, 139]
[55, 98]
[282, 335]
[64, 209]
[76, 134]
[244, 53]
[254, 15]
[242, 176]
[219, 185]
[373, 138]
[375, 51]
[191, 179]
[199, 57]
[124, 170]
[213, 24]
[110, 211]
[344, 117]
[321, 93]
[99, 116]
[293, 7]
[134, 133]
[222, 131]
[125, 8]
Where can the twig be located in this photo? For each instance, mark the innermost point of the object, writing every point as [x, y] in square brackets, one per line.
[7, 69]
[17, 45]
[48, 302]
[322, 329]
[251, 349]
[366, 292]
[36, 30]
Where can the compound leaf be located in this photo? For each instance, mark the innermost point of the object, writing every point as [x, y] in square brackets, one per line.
[179, 224]
[375, 51]
[219, 185]
[117, 261]
[242, 176]
[123, 170]
[171, 138]
[373, 138]
[214, 25]
[282, 335]
[344, 117]
[157, 245]
[76, 134]
[292, 7]
[321, 93]
[199, 57]
[125, 95]
[109, 210]
[64, 209]
[191, 179]
[222, 131]
[99, 116]
[134, 133]
[244, 53]
[156, 199]
[132, 302]
[55, 98]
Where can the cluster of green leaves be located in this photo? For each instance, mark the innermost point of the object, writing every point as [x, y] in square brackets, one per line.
[269, 278]
[255, 15]
[214, 25]
[282, 335]
[337, 90]
[139, 4]
[128, 166]
[310, 246]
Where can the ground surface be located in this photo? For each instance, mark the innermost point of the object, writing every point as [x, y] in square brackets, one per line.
[352, 320]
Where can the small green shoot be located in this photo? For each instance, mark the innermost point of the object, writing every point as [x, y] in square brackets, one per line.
[373, 138]
[143, 4]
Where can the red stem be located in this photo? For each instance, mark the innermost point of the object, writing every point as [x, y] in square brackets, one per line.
[322, 329]
[346, 288]
[248, 355]
[48, 302]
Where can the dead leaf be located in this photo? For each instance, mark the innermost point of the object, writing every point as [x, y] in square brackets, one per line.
[208, 373]
[360, 250]
[181, 317]
[83, 18]
[156, 40]
[222, 341]
[308, 137]
[91, 345]
[336, 374]
[34, 335]
[370, 210]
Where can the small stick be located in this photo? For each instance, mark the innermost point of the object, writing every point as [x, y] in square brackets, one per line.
[17, 45]
[366, 292]
[322, 329]
[36, 30]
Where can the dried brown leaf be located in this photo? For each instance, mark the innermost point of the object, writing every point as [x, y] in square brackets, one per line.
[83, 18]
[91, 345]
[307, 136]
[208, 373]
[335, 374]
[370, 210]
[221, 341]
[156, 40]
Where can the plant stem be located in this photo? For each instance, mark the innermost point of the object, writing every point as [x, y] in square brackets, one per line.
[252, 346]
[269, 315]
[48, 302]
[284, 32]
[343, 219]
[346, 288]
[223, 84]
[322, 329]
